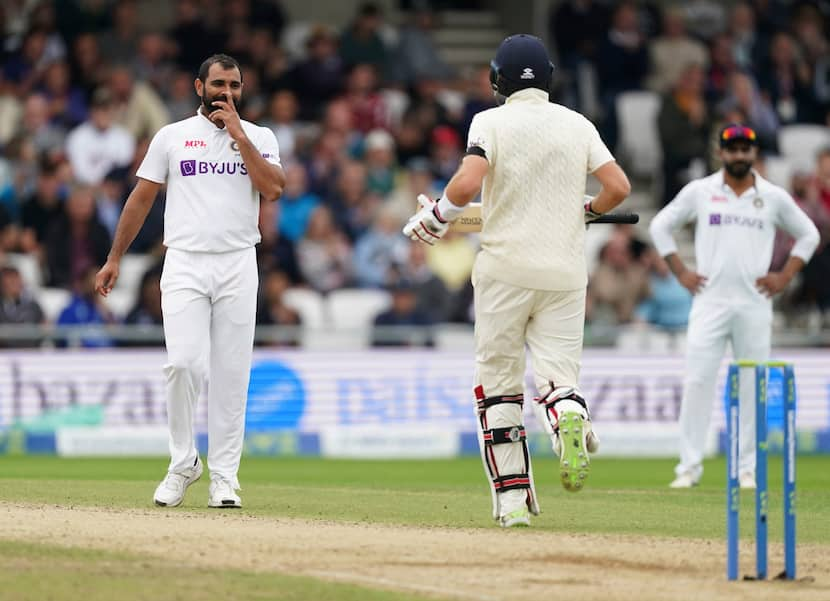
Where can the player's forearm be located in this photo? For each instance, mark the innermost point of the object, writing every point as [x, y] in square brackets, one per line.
[615, 188]
[267, 178]
[676, 264]
[462, 189]
[792, 267]
[132, 218]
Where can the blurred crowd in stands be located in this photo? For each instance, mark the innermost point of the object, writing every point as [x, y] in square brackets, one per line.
[367, 117]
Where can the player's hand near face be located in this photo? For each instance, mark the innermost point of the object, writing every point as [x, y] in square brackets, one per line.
[772, 283]
[106, 277]
[227, 114]
[425, 225]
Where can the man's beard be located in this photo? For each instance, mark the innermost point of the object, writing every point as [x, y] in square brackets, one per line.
[209, 107]
[738, 169]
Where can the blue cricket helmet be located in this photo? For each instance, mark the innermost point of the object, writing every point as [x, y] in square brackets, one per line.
[521, 62]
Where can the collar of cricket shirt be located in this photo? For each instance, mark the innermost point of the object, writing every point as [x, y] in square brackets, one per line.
[529, 94]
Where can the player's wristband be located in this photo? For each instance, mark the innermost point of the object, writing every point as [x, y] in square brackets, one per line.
[445, 210]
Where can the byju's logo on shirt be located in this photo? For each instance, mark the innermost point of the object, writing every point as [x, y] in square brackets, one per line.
[739, 220]
[192, 167]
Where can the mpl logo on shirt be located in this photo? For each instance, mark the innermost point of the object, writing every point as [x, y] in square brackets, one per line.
[195, 144]
[193, 167]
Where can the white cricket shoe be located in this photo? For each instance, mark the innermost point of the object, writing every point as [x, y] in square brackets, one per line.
[170, 493]
[222, 494]
[747, 480]
[684, 480]
[515, 519]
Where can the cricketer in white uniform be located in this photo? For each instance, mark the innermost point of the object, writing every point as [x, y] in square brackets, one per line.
[216, 167]
[531, 157]
[736, 212]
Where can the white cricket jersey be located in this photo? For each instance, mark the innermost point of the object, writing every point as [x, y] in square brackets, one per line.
[734, 235]
[533, 232]
[212, 205]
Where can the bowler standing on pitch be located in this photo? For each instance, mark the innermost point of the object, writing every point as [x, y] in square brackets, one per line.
[529, 278]
[216, 167]
[736, 212]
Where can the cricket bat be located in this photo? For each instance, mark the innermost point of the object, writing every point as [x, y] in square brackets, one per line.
[470, 220]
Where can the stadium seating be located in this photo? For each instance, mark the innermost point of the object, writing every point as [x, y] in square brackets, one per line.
[309, 304]
[801, 143]
[28, 267]
[52, 301]
[639, 147]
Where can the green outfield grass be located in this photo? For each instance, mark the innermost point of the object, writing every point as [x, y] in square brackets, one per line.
[623, 496]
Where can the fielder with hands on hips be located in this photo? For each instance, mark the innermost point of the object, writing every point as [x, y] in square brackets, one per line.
[529, 158]
[216, 167]
[736, 212]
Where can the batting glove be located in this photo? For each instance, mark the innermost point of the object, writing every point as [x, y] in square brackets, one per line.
[590, 214]
[427, 225]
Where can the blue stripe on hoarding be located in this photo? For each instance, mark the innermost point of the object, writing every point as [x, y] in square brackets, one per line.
[732, 487]
[40, 443]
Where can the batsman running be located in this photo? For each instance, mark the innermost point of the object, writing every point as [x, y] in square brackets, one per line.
[216, 167]
[529, 158]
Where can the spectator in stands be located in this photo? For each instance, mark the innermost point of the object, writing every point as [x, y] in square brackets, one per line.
[622, 64]
[146, 310]
[743, 95]
[296, 204]
[365, 103]
[788, 81]
[822, 177]
[326, 157]
[378, 250]
[432, 296]
[617, 285]
[380, 162]
[683, 124]
[272, 310]
[411, 139]
[672, 53]
[42, 208]
[67, 103]
[193, 37]
[721, 68]
[417, 179]
[136, 105]
[17, 306]
[578, 27]
[361, 43]
[352, 204]
[24, 69]
[120, 42]
[668, 303]
[479, 97]
[88, 65]
[98, 145]
[324, 254]
[110, 197]
[179, 100]
[152, 63]
[282, 120]
[77, 242]
[86, 308]
[403, 324]
[37, 127]
[417, 56]
[319, 77]
[445, 154]
[275, 252]
[452, 260]
[748, 43]
[10, 111]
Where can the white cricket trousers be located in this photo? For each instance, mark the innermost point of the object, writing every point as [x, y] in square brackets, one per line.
[748, 328]
[209, 305]
[550, 322]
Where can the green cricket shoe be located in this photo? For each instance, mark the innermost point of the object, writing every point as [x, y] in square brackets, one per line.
[574, 464]
[516, 519]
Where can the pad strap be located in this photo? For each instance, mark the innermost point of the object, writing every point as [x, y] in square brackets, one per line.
[504, 435]
[550, 406]
[511, 482]
[485, 403]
